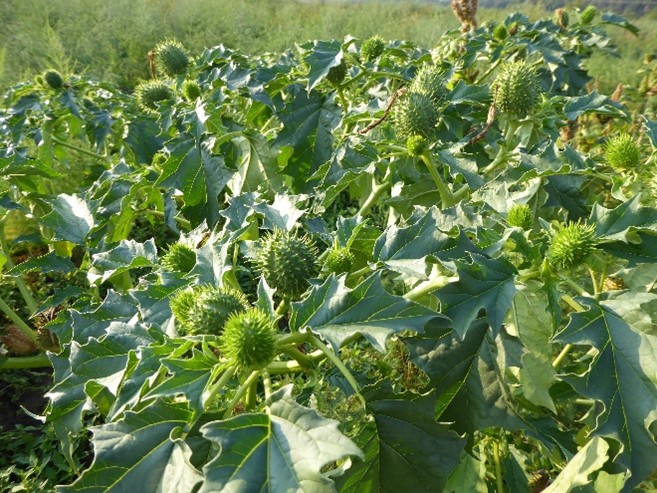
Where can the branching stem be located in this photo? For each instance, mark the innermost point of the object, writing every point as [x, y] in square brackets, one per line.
[23, 362]
[240, 392]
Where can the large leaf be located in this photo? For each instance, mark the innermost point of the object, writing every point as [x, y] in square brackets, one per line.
[256, 166]
[643, 250]
[616, 224]
[284, 450]
[596, 102]
[70, 218]
[321, 57]
[622, 376]
[140, 453]
[339, 313]
[128, 255]
[486, 284]
[576, 473]
[405, 448]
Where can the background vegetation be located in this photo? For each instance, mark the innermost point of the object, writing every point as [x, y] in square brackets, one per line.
[110, 40]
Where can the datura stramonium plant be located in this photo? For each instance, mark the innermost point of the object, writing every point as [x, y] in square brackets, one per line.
[416, 112]
[171, 58]
[572, 245]
[520, 216]
[191, 90]
[287, 262]
[516, 90]
[205, 309]
[339, 260]
[249, 340]
[152, 92]
[337, 74]
[53, 79]
[623, 153]
[372, 48]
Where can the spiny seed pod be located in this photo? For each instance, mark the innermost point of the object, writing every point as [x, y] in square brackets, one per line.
[623, 153]
[414, 114]
[572, 245]
[339, 260]
[206, 309]
[191, 90]
[500, 33]
[416, 145]
[53, 79]
[372, 48]
[171, 58]
[430, 81]
[520, 216]
[287, 262]
[588, 14]
[179, 258]
[249, 340]
[517, 89]
[337, 74]
[561, 18]
[152, 92]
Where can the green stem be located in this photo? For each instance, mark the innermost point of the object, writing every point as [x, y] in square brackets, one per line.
[360, 272]
[285, 367]
[251, 394]
[594, 282]
[240, 393]
[23, 362]
[20, 323]
[343, 100]
[210, 395]
[282, 308]
[226, 137]
[446, 197]
[573, 304]
[339, 365]
[81, 150]
[20, 283]
[572, 284]
[266, 382]
[377, 191]
[294, 338]
[490, 70]
[562, 355]
[298, 356]
[500, 158]
[181, 220]
[429, 286]
[498, 467]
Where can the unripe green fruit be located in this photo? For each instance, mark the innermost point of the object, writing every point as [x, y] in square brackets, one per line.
[520, 216]
[249, 340]
[339, 260]
[152, 92]
[171, 58]
[517, 89]
[500, 33]
[372, 48]
[430, 81]
[588, 14]
[337, 74]
[416, 145]
[191, 90]
[205, 309]
[179, 258]
[623, 153]
[415, 114]
[561, 18]
[572, 245]
[53, 79]
[287, 262]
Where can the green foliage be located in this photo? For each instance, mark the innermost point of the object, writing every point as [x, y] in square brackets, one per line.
[249, 340]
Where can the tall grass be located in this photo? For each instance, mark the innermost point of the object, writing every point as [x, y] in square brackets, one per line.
[110, 39]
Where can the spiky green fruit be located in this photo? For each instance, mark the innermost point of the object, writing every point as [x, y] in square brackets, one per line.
[337, 74]
[372, 48]
[572, 245]
[516, 89]
[520, 216]
[561, 18]
[416, 145]
[53, 79]
[339, 260]
[179, 258]
[152, 92]
[171, 58]
[588, 14]
[429, 80]
[287, 262]
[415, 114]
[205, 309]
[191, 90]
[623, 153]
[500, 33]
[249, 340]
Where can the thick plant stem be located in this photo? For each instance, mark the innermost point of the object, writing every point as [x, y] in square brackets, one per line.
[360, 272]
[562, 355]
[211, 394]
[498, 467]
[25, 362]
[81, 150]
[374, 195]
[299, 357]
[447, 198]
[20, 323]
[251, 395]
[266, 382]
[343, 100]
[285, 368]
[240, 392]
[572, 284]
[20, 283]
[429, 286]
[339, 365]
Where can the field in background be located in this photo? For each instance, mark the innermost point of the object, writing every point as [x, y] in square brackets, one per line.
[110, 40]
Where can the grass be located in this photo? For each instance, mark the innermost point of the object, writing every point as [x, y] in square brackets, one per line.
[110, 40]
